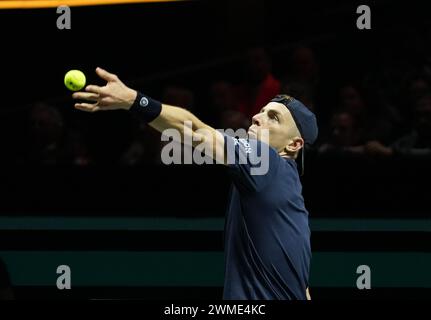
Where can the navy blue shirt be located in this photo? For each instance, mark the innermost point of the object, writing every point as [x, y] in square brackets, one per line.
[267, 236]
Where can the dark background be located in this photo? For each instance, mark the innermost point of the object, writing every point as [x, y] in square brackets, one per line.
[191, 45]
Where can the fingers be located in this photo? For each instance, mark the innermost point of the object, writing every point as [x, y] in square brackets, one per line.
[88, 96]
[87, 107]
[105, 75]
[94, 89]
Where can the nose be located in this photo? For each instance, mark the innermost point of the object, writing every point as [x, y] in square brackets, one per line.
[255, 120]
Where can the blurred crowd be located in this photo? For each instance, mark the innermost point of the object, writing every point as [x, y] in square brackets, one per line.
[356, 118]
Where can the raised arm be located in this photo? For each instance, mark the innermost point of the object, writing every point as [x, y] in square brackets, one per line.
[116, 95]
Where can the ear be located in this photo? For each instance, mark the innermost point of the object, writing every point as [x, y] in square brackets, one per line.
[295, 145]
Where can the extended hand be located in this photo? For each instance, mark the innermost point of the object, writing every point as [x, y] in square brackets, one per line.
[114, 95]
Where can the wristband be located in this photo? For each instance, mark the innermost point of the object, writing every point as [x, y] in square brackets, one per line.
[146, 108]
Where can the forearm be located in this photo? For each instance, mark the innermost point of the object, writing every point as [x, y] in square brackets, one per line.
[177, 118]
[190, 129]
[176, 122]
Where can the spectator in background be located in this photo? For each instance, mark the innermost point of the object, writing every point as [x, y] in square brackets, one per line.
[303, 67]
[414, 145]
[144, 147]
[345, 137]
[179, 96]
[259, 85]
[416, 88]
[45, 136]
[77, 152]
[352, 101]
[300, 91]
[222, 103]
[355, 122]
[369, 114]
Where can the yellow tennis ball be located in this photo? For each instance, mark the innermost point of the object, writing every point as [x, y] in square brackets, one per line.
[74, 80]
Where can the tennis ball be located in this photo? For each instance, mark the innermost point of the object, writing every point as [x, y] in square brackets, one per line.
[74, 80]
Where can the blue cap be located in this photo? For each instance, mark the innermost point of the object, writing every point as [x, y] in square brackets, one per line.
[305, 119]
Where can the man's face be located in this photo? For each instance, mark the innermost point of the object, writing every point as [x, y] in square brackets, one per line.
[351, 100]
[279, 123]
[343, 130]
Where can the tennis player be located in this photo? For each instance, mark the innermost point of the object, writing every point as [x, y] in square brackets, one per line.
[267, 235]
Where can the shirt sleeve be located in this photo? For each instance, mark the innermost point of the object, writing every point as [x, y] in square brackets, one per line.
[252, 164]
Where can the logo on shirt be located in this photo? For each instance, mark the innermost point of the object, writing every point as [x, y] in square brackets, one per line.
[245, 144]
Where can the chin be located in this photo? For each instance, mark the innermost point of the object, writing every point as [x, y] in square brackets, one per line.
[252, 135]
